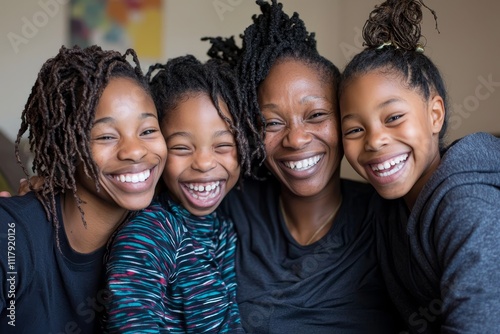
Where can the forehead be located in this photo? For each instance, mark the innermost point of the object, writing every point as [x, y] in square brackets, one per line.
[291, 75]
[195, 110]
[122, 93]
[288, 68]
[376, 87]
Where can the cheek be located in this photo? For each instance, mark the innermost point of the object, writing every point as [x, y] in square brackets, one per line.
[172, 169]
[230, 163]
[351, 151]
[101, 157]
[271, 142]
[331, 135]
[160, 148]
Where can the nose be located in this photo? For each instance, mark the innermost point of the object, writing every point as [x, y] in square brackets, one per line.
[132, 149]
[297, 137]
[203, 161]
[375, 140]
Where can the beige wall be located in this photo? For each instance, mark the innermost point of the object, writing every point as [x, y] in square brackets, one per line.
[467, 50]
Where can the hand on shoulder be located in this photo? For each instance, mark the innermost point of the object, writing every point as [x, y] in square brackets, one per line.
[24, 188]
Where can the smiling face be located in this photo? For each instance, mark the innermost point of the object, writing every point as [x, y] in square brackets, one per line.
[127, 147]
[302, 132]
[202, 164]
[391, 134]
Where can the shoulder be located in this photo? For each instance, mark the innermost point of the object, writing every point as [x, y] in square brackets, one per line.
[475, 151]
[470, 202]
[478, 141]
[151, 238]
[466, 213]
[469, 167]
[21, 206]
[25, 229]
[156, 223]
[27, 214]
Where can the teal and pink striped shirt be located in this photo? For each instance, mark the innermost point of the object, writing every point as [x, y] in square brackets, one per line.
[169, 271]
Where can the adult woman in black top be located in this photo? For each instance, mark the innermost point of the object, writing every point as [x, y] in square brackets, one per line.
[306, 259]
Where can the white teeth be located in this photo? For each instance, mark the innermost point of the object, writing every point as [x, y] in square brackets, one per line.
[395, 163]
[204, 192]
[392, 171]
[203, 188]
[303, 164]
[133, 178]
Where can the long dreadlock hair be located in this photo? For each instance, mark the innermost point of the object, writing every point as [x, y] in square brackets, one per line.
[392, 37]
[59, 115]
[273, 37]
[183, 76]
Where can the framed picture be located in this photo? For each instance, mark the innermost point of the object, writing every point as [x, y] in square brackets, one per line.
[118, 25]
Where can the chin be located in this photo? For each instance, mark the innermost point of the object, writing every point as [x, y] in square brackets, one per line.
[135, 204]
[389, 193]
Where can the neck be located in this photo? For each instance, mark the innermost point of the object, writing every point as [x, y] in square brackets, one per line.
[101, 221]
[308, 219]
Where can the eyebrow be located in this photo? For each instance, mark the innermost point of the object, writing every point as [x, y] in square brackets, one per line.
[303, 100]
[188, 135]
[312, 97]
[107, 120]
[389, 101]
[379, 106]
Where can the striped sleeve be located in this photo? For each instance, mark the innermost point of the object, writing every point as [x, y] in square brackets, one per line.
[141, 260]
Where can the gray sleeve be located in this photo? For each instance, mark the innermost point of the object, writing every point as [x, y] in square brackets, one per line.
[466, 239]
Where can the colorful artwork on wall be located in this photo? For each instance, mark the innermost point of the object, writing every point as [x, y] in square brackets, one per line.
[118, 25]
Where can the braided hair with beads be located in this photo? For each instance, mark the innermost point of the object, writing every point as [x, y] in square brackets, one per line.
[59, 115]
[273, 37]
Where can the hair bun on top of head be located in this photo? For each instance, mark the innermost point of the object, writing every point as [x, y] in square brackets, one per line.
[396, 23]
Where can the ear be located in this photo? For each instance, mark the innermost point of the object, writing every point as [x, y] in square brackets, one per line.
[437, 113]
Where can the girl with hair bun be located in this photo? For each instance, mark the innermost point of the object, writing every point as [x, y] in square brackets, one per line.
[440, 261]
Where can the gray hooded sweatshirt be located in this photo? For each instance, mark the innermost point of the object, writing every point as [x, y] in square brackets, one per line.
[442, 261]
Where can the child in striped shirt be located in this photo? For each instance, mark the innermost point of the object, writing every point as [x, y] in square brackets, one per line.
[171, 267]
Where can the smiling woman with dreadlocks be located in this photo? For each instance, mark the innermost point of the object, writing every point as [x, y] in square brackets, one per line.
[306, 258]
[96, 140]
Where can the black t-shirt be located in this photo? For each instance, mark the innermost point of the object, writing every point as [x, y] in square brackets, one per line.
[331, 286]
[46, 288]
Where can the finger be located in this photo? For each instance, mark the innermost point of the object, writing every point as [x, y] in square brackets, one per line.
[23, 187]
